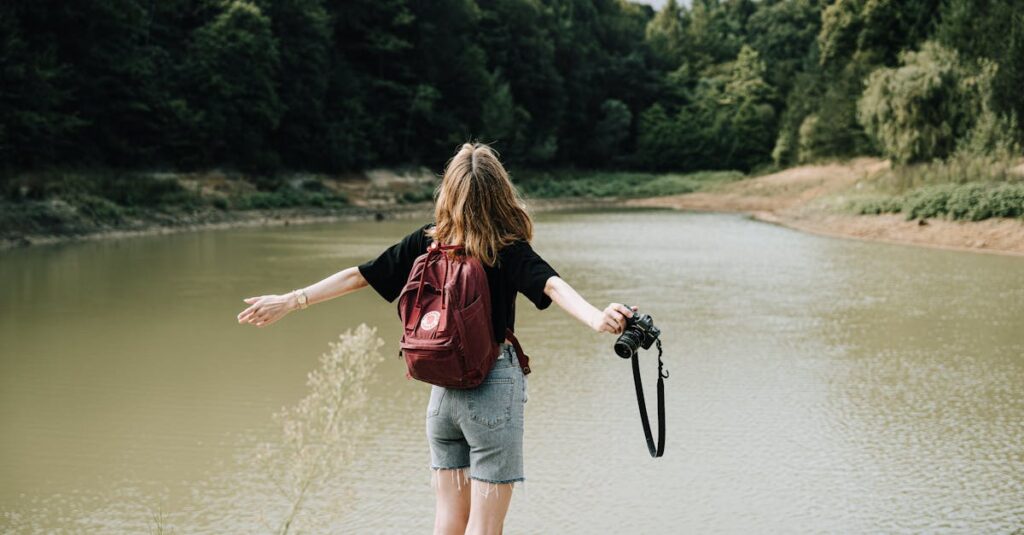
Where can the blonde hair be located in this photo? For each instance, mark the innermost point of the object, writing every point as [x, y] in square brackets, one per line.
[477, 206]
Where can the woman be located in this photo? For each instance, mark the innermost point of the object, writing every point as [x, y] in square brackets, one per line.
[475, 435]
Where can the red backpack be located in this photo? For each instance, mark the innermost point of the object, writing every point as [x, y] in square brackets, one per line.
[445, 307]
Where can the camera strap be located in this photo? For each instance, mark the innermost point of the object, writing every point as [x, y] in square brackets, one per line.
[662, 375]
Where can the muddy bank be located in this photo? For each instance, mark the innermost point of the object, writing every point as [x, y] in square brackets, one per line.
[169, 223]
[808, 198]
[212, 219]
[1002, 236]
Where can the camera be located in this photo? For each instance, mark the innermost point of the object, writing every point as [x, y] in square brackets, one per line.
[639, 332]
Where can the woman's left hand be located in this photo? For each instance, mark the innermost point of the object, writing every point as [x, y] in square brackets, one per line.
[267, 309]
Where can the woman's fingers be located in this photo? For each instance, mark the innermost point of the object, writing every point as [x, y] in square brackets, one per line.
[618, 318]
[264, 310]
[620, 312]
[256, 312]
[613, 319]
[249, 313]
[623, 309]
[246, 313]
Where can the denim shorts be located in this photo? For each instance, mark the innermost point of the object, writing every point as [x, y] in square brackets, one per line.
[481, 428]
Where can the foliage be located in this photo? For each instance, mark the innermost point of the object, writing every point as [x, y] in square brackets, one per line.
[918, 111]
[232, 66]
[973, 201]
[311, 85]
[992, 30]
[729, 125]
[665, 35]
[960, 168]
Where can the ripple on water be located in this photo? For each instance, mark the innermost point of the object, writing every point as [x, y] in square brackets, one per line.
[816, 385]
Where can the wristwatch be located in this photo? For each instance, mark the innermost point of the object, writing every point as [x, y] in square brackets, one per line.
[301, 296]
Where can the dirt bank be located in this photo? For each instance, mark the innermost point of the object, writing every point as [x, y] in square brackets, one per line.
[807, 198]
[376, 194]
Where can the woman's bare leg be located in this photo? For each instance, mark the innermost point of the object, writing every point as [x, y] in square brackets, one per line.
[453, 496]
[488, 508]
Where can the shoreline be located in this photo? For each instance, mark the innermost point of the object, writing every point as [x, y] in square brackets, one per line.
[875, 232]
[806, 199]
[279, 217]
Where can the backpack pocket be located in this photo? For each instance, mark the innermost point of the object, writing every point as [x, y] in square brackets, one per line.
[476, 335]
[434, 361]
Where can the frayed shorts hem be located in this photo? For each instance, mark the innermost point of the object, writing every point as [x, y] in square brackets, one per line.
[498, 482]
[449, 467]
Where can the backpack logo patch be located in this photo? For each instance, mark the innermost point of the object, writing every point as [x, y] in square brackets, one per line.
[429, 321]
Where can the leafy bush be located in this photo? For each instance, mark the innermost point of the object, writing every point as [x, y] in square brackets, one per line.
[965, 202]
[927, 202]
[99, 209]
[415, 196]
[1001, 201]
[285, 198]
[883, 205]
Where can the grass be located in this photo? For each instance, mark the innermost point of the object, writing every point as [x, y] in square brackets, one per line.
[575, 183]
[973, 201]
[960, 168]
[103, 190]
[284, 198]
[77, 202]
[964, 187]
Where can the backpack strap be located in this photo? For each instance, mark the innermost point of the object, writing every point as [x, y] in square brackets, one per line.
[435, 249]
[524, 361]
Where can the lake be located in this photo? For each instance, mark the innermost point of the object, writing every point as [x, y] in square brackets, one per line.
[815, 384]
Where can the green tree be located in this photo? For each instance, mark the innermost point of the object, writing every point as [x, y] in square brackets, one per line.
[232, 65]
[993, 30]
[659, 145]
[752, 116]
[35, 126]
[783, 34]
[613, 129]
[518, 38]
[665, 35]
[373, 82]
[302, 29]
[918, 111]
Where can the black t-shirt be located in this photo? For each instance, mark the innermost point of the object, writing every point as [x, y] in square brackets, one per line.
[519, 268]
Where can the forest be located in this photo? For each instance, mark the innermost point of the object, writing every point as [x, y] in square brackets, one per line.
[264, 86]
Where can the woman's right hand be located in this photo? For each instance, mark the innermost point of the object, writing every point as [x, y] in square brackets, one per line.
[267, 309]
[613, 318]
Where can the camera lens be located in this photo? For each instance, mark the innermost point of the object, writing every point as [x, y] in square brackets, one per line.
[627, 343]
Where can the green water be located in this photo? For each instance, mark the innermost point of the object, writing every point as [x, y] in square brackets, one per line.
[816, 384]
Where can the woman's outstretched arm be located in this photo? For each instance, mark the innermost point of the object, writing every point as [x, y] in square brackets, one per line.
[266, 309]
[612, 319]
